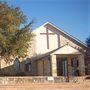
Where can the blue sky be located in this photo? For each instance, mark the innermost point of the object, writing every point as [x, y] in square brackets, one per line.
[73, 16]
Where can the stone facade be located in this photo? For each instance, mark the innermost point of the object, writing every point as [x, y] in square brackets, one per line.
[47, 80]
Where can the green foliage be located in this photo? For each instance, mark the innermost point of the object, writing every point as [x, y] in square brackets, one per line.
[14, 40]
[88, 41]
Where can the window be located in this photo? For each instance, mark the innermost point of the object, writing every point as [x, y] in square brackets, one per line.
[28, 65]
[16, 65]
[75, 64]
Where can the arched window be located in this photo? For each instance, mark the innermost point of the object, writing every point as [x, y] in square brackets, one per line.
[16, 65]
[27, 65]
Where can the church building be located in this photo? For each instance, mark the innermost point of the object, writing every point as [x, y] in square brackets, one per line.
[54, 52]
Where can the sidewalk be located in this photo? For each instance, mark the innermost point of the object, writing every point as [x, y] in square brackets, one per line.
[56, 86]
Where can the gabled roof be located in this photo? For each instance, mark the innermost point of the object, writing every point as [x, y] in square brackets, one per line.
[60, 30]
[67, 49]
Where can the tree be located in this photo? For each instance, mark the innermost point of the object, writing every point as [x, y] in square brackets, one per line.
[88, 41]
[15, 34]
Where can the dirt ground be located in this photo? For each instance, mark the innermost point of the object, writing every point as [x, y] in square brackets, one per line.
[58, 86]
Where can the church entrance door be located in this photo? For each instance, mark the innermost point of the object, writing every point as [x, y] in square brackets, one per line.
[62, 67]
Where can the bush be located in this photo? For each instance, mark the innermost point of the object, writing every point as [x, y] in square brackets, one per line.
[5, 74]
[21, 74]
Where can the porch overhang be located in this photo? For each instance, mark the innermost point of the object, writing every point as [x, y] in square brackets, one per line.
[67, 50]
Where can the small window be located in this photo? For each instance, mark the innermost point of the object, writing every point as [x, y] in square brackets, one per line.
[28, 65]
